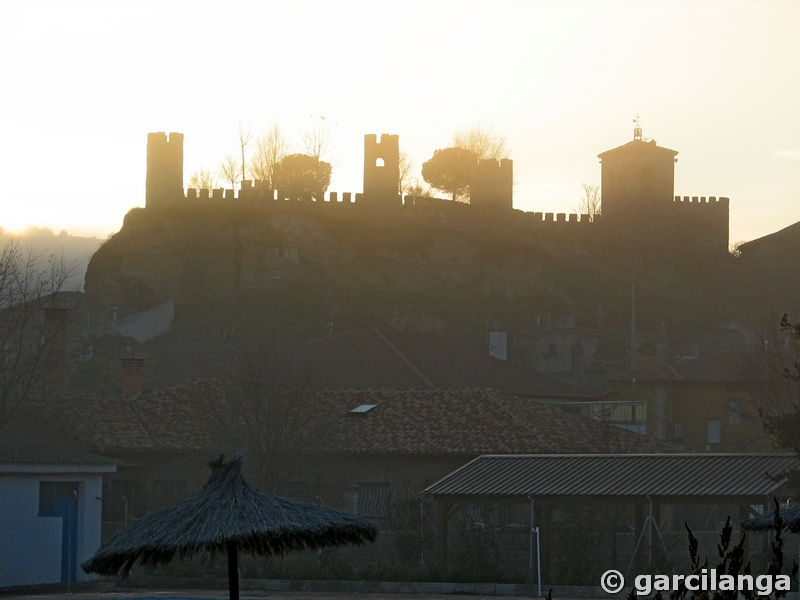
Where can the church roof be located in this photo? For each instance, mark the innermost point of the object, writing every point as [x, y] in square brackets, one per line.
[637, 146]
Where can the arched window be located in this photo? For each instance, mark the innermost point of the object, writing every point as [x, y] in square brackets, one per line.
[379, 162]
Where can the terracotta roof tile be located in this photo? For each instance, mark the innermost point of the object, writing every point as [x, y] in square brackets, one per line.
[466, 421]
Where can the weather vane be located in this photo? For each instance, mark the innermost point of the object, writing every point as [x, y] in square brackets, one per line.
[637, 127]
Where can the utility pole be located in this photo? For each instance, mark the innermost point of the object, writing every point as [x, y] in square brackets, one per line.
[634, 358]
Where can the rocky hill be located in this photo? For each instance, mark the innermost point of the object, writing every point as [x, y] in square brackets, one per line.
[304, 271]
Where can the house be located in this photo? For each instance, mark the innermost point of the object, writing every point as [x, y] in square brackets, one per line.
[705, 403]
[348, 449]
[51, 494]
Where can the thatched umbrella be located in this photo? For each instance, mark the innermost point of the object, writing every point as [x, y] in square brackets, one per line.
[790, 518]
[228, 515]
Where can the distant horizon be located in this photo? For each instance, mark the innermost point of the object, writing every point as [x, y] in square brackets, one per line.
[560, 81]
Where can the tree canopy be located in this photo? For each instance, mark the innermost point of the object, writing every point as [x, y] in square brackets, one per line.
[450, 170]
[302, 176]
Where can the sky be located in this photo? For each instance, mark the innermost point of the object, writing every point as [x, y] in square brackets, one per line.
[82, 83]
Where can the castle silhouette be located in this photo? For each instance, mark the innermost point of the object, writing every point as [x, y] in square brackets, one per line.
[638, 204]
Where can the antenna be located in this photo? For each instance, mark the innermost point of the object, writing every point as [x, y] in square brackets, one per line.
[637, 127]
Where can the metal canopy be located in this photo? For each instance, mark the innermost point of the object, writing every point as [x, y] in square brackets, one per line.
[710, 475]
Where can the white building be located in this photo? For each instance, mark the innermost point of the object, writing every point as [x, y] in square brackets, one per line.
[50, 510]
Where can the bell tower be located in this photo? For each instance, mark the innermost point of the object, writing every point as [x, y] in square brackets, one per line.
[637, 177]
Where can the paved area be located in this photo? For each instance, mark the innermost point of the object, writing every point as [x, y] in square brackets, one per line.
[245, 594]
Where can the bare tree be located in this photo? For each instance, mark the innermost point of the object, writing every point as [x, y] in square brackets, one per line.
[418, 189]
[481, 141]
[270, 149]
[589, 203]
[268, 400]
[405, 165]
[229, 170]
[29, 350]
[774, 373]
[316, 140]
[245, 136]
[201, 179]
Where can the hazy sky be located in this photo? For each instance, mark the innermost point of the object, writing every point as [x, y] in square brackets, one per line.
[83, 82]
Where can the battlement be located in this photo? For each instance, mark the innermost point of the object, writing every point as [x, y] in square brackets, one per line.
[257, 193]
[641, 213]
[537, 218]
[701, 220]
[721, 202]
[490, 166]
[386, 141]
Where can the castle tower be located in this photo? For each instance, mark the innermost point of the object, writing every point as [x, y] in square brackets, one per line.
[636, 176]
[492, 186]
[164, 182]
[382, 170]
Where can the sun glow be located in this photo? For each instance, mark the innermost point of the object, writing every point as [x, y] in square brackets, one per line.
[560, 80]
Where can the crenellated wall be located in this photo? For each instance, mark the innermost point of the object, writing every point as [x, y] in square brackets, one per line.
[638, 210]
[255, 193]
[701, 221]
[538, 218]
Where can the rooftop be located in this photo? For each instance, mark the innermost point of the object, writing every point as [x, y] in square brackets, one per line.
[619, 475]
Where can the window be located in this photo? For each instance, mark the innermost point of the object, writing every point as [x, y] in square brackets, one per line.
[713, 431]
[50, 492]
[363, 408]
[734, 410]
[379, 162]
[372, 500]
[619, 413]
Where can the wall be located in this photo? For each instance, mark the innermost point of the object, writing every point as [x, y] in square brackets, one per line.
[30, 545]
[700, 222]
[149, 324]
[692, 404]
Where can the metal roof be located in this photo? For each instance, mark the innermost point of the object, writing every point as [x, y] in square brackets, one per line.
[617, 475]
[19, 450]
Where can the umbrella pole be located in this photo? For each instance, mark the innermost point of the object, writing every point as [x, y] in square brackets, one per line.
[233, 571]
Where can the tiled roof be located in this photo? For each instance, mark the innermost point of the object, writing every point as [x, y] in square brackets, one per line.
[198, 415]
[637, 146]
[471, 421]
[172, 418]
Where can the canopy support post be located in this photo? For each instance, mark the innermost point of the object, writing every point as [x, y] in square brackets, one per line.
[233, 571]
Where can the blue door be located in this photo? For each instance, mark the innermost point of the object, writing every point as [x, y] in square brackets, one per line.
[60, 499]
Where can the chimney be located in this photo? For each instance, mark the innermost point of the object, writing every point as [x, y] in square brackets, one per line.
[132, 376]
[498, 344]
[54, 351]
